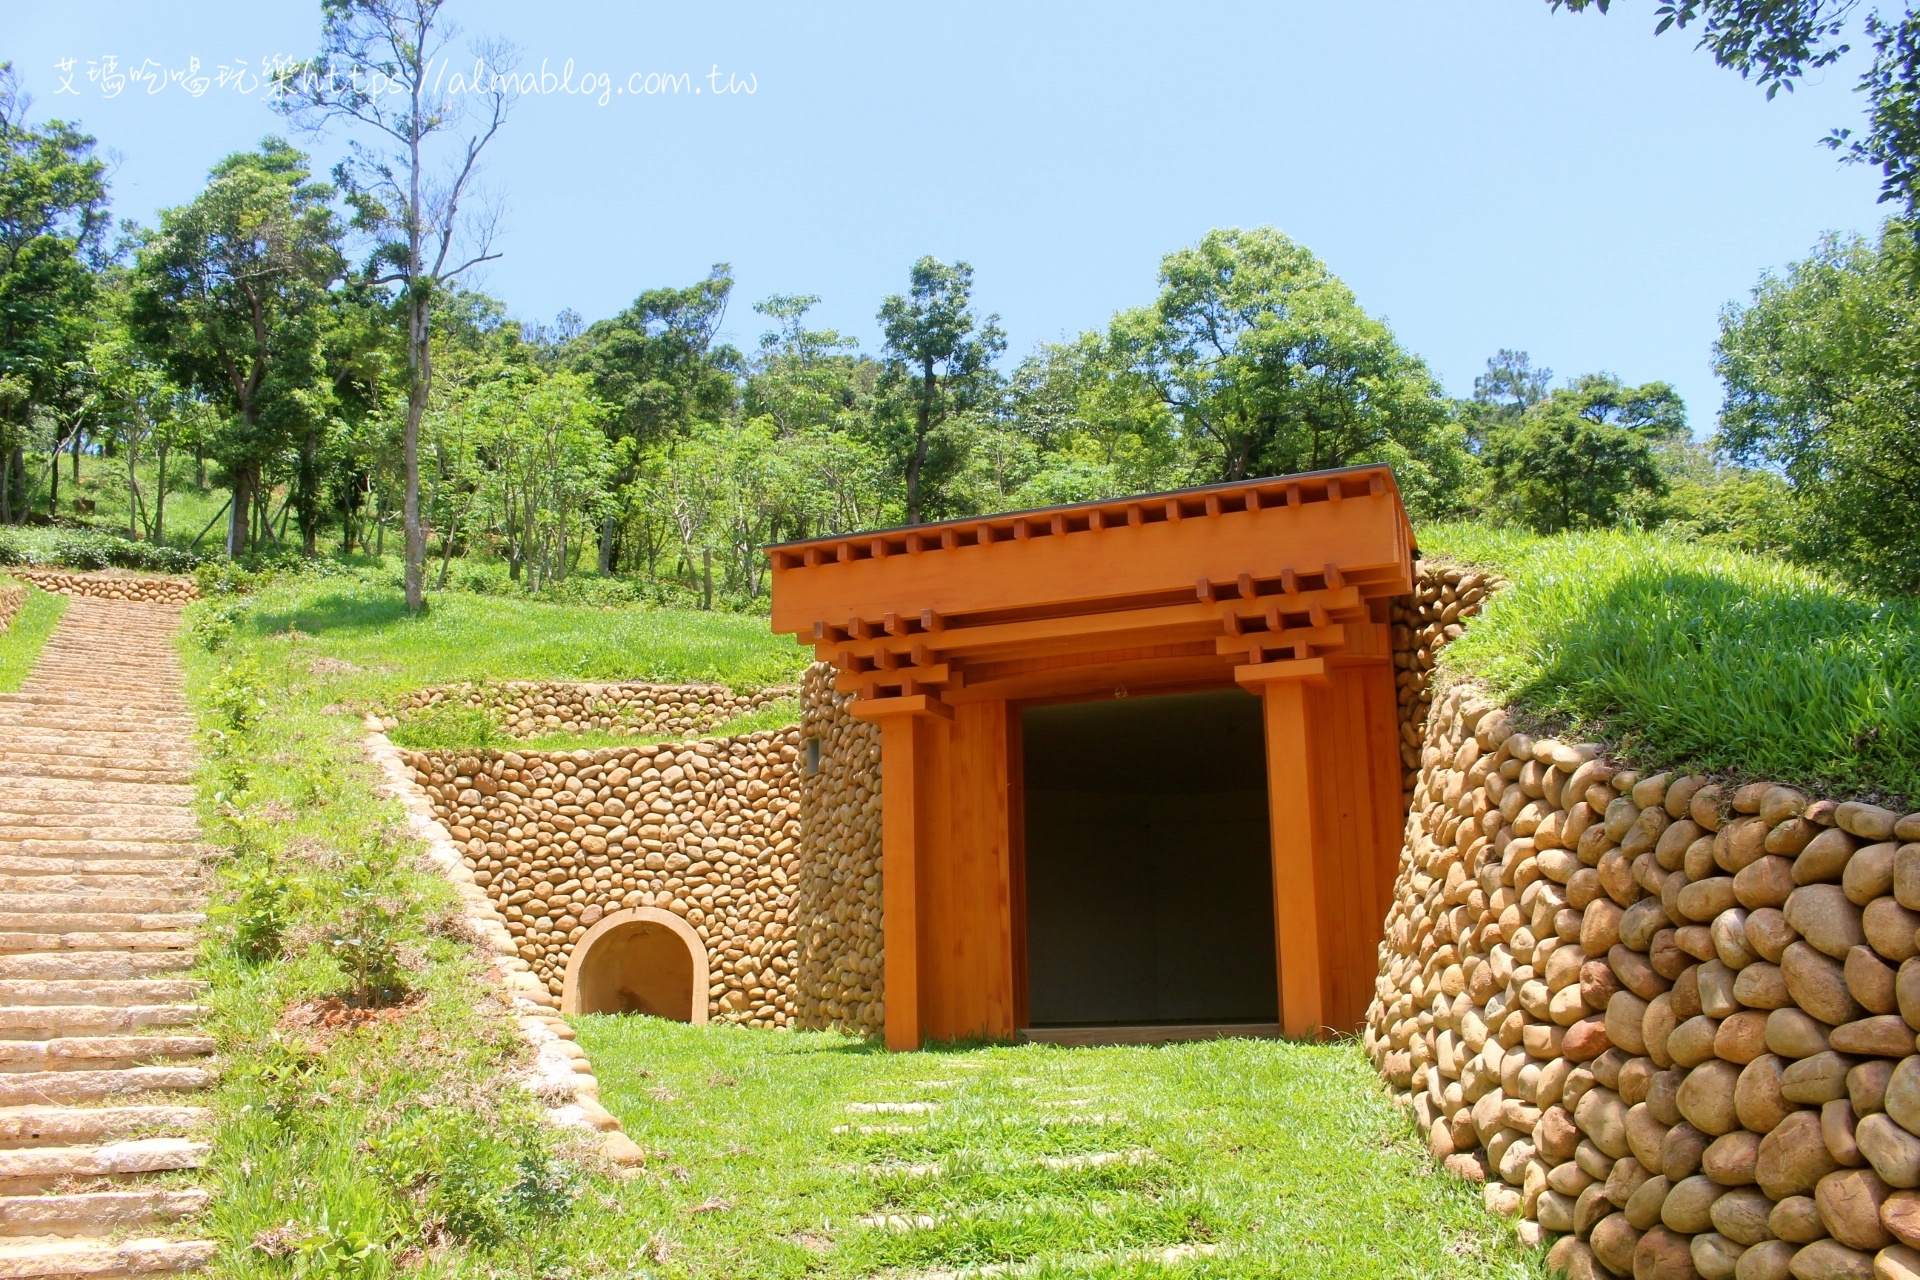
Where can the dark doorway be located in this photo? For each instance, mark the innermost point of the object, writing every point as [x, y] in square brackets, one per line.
[1149, 879]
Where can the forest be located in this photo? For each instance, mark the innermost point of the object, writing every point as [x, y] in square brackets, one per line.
[297, 368]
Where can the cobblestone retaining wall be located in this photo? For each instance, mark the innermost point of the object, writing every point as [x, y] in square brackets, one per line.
[530, 708]
[12, 596]
[1670, 1025]
[776, 870]
[110, 585]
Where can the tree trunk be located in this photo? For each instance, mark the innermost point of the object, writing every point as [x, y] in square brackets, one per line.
[160, 494]
[240, 514]
[199, 465]
[706, 576]
[53, 481]
[607, 525]
[917, 460]
[77, 436]
[419, 374]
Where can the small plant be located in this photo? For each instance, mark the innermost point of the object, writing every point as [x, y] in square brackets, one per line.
[448, 726]
[237, 697]
[214, 624]
[365, 934]
[258, 918]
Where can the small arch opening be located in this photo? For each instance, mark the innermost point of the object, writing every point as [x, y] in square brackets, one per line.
[638, 961]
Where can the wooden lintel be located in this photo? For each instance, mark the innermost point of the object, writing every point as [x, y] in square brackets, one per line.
[1328, 637]
[861, 681]
[919, 704]
[1254, 675]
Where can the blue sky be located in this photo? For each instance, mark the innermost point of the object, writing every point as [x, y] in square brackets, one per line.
[1483, 173]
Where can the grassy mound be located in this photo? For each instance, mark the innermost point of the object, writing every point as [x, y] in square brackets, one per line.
[21, 642]
[1690, 657]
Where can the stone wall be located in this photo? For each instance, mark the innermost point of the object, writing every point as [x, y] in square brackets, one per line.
[775, 870]
[1668, 1022]
[12, 596]
[1444, 598]
[839, 887]
[111, 584]
[529, 708]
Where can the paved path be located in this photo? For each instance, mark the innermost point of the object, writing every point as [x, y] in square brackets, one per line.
[100, 901]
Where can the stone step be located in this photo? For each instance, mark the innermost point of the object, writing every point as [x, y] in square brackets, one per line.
[101, 1259]
[96, 1053]
[104, 992]
[96, 1214]
[44, 1126]
[97, 902]
[135, 797]
[47, 1022]
[25, 1169]
[151, 697]
[97, 921]
[65, 766]
[100, 965]
[150, 942]
[43, 1087]
[177, 877]
[88, 848]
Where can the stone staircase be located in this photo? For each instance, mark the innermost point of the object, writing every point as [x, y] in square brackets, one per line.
[100, 902]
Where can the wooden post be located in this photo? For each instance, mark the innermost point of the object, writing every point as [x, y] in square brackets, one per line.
[904, 723]
[1299, 843]
[900, 751]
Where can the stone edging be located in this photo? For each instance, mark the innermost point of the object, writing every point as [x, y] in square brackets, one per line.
[12, 596]
[151, 588]
[560, 1068]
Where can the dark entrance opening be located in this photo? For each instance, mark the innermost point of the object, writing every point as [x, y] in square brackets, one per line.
[1149, 877]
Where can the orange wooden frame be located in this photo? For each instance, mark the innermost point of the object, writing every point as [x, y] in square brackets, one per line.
[940, 631]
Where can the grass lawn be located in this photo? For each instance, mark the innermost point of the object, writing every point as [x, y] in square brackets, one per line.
[1232, 1158]
[1691, 657]
[347, 619]
[23, 639]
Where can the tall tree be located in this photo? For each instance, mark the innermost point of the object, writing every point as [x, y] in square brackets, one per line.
[1776, 42]
[53, 220]
[658, 366]
[1822, 370]
[232, 295]
[939, 366]
[1577, 458]
[1269, 364]
[410, 174]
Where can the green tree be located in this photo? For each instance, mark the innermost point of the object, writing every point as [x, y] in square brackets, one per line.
[1510, 386]
[53, 220]
[938, 368]
[1269, 365]
[658, 369]
[1577, 459]
[1822, 374]
[232, 295]
[1776, 42]
[382, 71]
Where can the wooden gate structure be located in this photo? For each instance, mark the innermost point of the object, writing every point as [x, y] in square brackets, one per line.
[943, 631]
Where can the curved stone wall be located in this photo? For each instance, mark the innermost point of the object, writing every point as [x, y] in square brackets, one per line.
[774, 867]
[1669, 1022]
[529, 708]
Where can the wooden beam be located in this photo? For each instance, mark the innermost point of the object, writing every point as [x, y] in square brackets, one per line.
[919, 705]
[858, 681]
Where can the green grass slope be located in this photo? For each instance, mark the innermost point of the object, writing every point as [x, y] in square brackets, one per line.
[23, 639]
[1690, 657]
